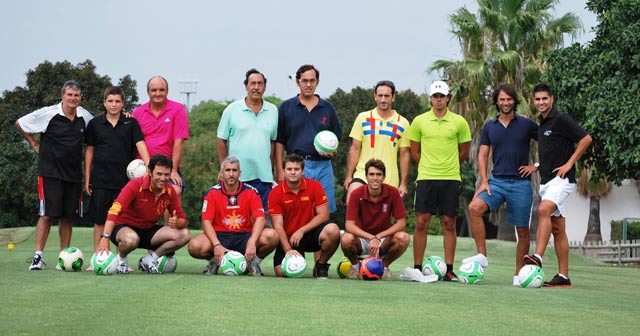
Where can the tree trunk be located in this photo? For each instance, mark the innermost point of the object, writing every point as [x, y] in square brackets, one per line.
[593, 227]
[506, 231]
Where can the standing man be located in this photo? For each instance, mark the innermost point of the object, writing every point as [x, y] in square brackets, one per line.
[300, 216]
[508, 137]
[165, 126]
[379, 134]
[233, 220]
[131, 222]
[439, 144]
[558, 153]
[368, 226]
[59, 164]
[112, 141]
[248, 130]
[299, 120]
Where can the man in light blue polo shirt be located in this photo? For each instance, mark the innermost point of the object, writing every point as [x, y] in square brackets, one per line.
[248, 130]
[509, 136]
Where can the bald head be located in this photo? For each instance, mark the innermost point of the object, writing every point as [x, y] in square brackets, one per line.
[157, 89]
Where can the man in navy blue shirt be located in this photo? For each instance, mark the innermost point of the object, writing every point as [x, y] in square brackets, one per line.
[509, 137]
[299, 120]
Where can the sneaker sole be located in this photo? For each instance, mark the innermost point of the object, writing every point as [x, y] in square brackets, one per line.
[557, 286]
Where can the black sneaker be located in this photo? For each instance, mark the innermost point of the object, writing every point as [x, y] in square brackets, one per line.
[532, 260]
[321, 271]
[36, 263]
[450, 276]
[558, 282]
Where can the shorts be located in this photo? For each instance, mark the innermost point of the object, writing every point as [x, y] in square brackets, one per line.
[264, 188]
[145, 235]
[357, 180]
[364, 244]
[235, 241]
[59, 199]
[101, 201]
[183, 184]
[322, 171]
[557, 191]
[517, 193]
[437, 197]
[310, 242]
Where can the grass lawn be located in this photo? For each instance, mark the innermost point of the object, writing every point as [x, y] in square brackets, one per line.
[604, 300]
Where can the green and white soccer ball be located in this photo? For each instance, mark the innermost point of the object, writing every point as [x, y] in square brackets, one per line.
[294, 266]
[434, 266]
[471, 273]
[70, 259]
[104, 263]
[325, 142]
[531, 276]
[233, 263]
[167, 264]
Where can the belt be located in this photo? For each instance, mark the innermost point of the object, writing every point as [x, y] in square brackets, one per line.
[312, 157]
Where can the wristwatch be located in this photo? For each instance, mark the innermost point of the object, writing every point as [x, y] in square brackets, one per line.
[537, 165]
[105, 235]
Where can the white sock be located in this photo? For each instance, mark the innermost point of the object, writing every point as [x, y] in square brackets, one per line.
[153, 255]
[39, 253]
[256, 261]
[539, 257]
[562, 275]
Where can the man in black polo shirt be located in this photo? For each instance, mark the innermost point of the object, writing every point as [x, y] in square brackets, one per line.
[59, 164]
[558, 153]
[299, 120]
[111, 141]
[509, 137]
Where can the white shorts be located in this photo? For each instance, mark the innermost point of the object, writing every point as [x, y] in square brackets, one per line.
[364, 243]
[557, 191]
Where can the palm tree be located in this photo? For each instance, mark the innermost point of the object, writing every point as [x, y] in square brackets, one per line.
[503, 43]
[595, 186]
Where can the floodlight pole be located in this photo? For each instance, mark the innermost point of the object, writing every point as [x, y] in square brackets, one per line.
[188, 87]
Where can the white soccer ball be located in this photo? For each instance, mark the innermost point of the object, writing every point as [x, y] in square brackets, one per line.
[434, 266]
[471, 273]
[325, 142]
[233, 263]
[104, 263]
[531, 276]
[70, 259]
[136, 168]
[167, 264]
[294, 266]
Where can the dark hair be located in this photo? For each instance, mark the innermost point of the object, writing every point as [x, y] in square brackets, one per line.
[165, 82]
[510, 91]
[385, 83]
[251, 72]
[160, 160]
[306, 68]
[293, 157]
[375, 163]
[71, 84]
[542, 88]
[114, 90]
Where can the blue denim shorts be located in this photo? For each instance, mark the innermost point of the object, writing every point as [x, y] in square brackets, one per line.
[517, 193]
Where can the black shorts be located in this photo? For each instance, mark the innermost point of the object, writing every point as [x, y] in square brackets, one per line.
[438, 197]
[101, 201]
[58, 198]
[145, 235]
[310, 242]
[236, 241]
[357, 180]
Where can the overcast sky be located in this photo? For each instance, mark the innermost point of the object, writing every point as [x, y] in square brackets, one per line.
[352, 43]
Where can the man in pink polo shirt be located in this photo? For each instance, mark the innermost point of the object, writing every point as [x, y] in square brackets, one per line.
[165, 125]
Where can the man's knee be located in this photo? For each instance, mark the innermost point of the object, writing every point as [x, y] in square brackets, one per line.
[401, 238]
[477, 207]
[128, 240]
[330, 232]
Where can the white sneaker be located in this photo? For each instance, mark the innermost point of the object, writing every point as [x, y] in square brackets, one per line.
[36, 263]
[123, 265]
[255, 270]
[211, 268]
[145, 262]
[354, 272]
[387, 274]
[479, 258]
[516, 281]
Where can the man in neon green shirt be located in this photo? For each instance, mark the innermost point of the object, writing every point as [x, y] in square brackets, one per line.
[439, 144]
[381, 134]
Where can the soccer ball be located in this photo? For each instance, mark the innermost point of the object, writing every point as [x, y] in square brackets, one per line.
[471, 273]
[325, 142]
[233, 263]
[167, 264]
[294, 266]
[105, 263]
[344, 267]
[434, 266]
[70, 259]
[136, 168]
[371, 269]
[531, 276]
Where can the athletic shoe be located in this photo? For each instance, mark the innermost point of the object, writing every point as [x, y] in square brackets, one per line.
[255, 270]
[479, 258]
[558, 281]
[450, 276]
[36, 263]
[58, 267]
[145, 262]
[532, 260]
[123, 265]
[153, 267]
[387, 274]
[321, 271]
[516, 281]
[354, 272]
[89, 269]
[211, 268]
